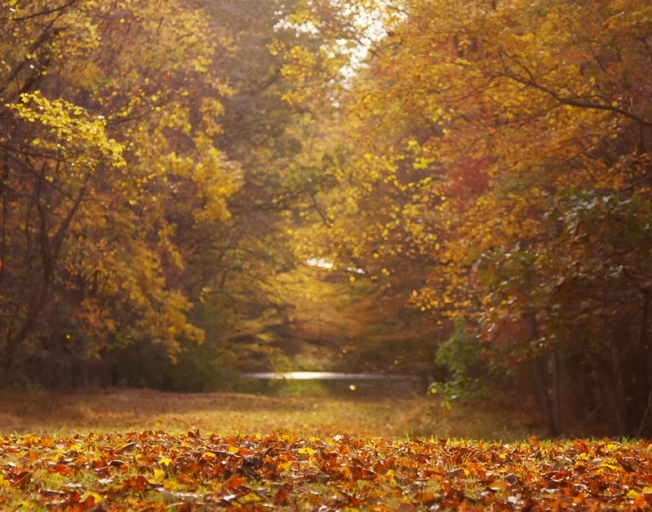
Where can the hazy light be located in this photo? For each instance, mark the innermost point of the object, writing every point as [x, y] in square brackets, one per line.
[319, 262]
[323, 263]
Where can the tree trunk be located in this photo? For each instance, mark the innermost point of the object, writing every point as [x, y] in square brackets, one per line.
[620, 398]
[555, 389]
[539, 370]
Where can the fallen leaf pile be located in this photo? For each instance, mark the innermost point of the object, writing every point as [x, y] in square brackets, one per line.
[160, 471]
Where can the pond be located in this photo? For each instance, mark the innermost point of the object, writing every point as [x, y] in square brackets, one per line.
[326, 376]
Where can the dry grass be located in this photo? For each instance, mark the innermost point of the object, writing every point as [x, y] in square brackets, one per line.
[228, 413]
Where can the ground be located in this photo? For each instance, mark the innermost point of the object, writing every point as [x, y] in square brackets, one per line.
[144, 450]
[234, 413]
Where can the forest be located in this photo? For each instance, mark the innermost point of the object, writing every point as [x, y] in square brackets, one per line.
[456, 191]
[452, 198]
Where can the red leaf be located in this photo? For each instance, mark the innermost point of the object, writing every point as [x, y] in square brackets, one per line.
[281, 498]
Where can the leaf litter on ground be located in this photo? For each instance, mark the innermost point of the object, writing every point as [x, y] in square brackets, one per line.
[184, 472]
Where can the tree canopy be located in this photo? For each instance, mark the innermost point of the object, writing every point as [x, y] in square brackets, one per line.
[505, 147]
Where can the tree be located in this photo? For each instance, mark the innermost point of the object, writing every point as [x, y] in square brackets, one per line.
[509, 143]
[241, 274]
[109, 112]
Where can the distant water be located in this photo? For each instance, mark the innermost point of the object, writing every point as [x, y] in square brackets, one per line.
[325, 376]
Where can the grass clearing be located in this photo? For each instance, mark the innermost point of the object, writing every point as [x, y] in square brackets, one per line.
[120, 410]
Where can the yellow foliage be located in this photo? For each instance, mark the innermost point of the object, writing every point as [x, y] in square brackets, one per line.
[120, 164]
[466, 125]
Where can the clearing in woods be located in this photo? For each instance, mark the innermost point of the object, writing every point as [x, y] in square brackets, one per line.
[145, 450]
[234, 413]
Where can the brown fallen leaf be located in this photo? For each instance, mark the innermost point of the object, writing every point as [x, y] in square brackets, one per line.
[22, 479]
[129, 448]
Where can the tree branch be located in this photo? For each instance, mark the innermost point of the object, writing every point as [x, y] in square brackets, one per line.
[44, 13]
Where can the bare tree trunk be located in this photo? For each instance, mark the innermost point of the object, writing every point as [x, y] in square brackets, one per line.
[643, 341]
[3, 242]
[539, 370]
[555, 389]
[620, 398]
